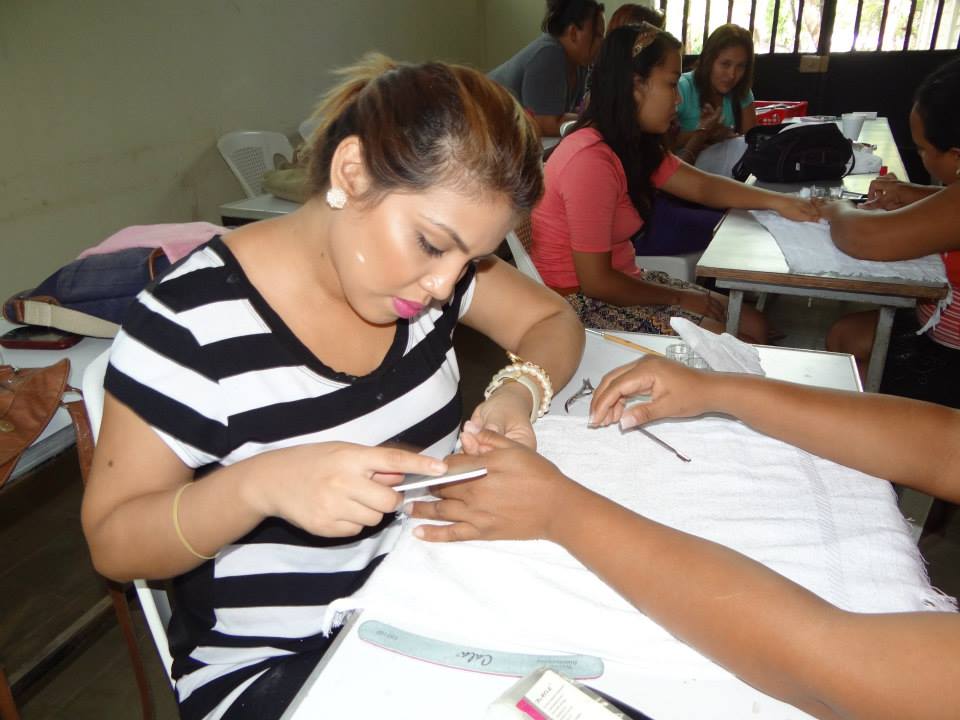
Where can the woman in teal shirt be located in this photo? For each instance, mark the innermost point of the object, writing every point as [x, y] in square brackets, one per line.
[716, 100]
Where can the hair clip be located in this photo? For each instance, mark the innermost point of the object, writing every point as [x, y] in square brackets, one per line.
[645, 37]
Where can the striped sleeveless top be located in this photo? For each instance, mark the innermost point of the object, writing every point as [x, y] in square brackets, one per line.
[216, 373]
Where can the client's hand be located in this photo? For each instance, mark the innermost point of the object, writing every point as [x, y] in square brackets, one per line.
[795, 208]
[523, 496]
[506, 411]
[674, 390]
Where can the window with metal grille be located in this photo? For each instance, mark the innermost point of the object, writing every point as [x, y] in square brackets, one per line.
[820, 26]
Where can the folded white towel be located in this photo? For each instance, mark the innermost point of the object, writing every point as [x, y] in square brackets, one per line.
[832, 529]
[808, 248]
[723, 353]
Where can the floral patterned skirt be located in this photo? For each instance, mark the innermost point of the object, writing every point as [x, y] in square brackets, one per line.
[654, 319]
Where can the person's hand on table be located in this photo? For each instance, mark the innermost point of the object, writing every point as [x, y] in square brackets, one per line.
[506, 411]
[796, 208]
[522, 496]
[334, 489]
[703, 303]
[674, 390]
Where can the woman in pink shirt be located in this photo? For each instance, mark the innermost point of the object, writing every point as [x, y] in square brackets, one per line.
[600, 183]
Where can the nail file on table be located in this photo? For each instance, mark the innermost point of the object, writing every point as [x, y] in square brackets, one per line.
[414, 482]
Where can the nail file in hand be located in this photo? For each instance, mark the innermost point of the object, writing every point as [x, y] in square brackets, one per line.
[465, 657]
[413, 482]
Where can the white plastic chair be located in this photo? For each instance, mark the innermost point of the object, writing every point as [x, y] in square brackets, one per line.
[683, 267]
[307, 127]
[251, 154]
[518, 240]
[153, 600]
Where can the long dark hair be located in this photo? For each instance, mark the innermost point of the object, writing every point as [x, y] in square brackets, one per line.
[612, 110]
[938, 106]
[427, 125]
[563, 13]
[724, 37]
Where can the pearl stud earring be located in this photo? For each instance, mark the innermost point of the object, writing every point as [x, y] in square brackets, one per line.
[336, 198]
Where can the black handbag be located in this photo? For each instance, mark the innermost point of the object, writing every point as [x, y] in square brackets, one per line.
[799, 153]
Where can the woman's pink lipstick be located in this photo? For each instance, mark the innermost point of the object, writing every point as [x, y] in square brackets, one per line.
[406, 308]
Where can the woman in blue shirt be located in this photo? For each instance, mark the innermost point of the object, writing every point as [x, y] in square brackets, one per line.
[716, 101]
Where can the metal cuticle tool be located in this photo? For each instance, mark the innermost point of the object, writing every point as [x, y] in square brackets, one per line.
[585, 391]
[663, 444]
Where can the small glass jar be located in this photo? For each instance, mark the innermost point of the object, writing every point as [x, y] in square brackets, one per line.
[681, 353]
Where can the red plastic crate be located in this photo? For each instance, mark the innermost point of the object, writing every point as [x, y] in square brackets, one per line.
[774, 112]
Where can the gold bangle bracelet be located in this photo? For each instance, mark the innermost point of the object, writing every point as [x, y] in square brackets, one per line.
[176, 525]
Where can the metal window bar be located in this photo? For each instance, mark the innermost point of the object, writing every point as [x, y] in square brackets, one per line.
[773, 27]
[828, 17]
[909, 30]
[883, 24]
[936, 25]
[706, 22]
[856, 24]
[829, 8]
[799, 24]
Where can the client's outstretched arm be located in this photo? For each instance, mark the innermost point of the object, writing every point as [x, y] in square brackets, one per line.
[771, 632]
[908, 442]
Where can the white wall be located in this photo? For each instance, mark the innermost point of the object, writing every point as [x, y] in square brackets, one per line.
[510, 25]
[110, 109]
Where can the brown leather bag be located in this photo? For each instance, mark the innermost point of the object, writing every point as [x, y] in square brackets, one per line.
[28, 399]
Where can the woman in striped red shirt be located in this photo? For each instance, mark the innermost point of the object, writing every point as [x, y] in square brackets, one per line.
[919, 220]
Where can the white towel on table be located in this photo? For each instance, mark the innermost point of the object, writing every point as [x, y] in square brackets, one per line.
[833, 530]
[723, 353]
[808, 248]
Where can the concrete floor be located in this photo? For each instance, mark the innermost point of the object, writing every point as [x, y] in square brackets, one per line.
[46, 580]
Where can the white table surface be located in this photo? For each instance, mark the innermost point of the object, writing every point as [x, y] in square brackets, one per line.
[58, 435]
[357, 679]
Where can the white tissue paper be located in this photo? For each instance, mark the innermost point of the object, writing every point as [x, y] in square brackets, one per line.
[723, 353]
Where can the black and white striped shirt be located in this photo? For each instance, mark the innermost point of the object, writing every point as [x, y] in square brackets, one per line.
[206, 362]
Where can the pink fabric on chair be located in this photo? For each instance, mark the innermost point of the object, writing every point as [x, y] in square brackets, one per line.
[176, 239]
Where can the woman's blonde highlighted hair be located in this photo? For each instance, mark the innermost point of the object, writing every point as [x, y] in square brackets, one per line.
[426, 125]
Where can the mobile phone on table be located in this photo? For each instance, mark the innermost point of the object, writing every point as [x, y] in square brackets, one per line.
[35, 337]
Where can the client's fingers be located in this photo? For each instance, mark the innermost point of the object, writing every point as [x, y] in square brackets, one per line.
[457, 532]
